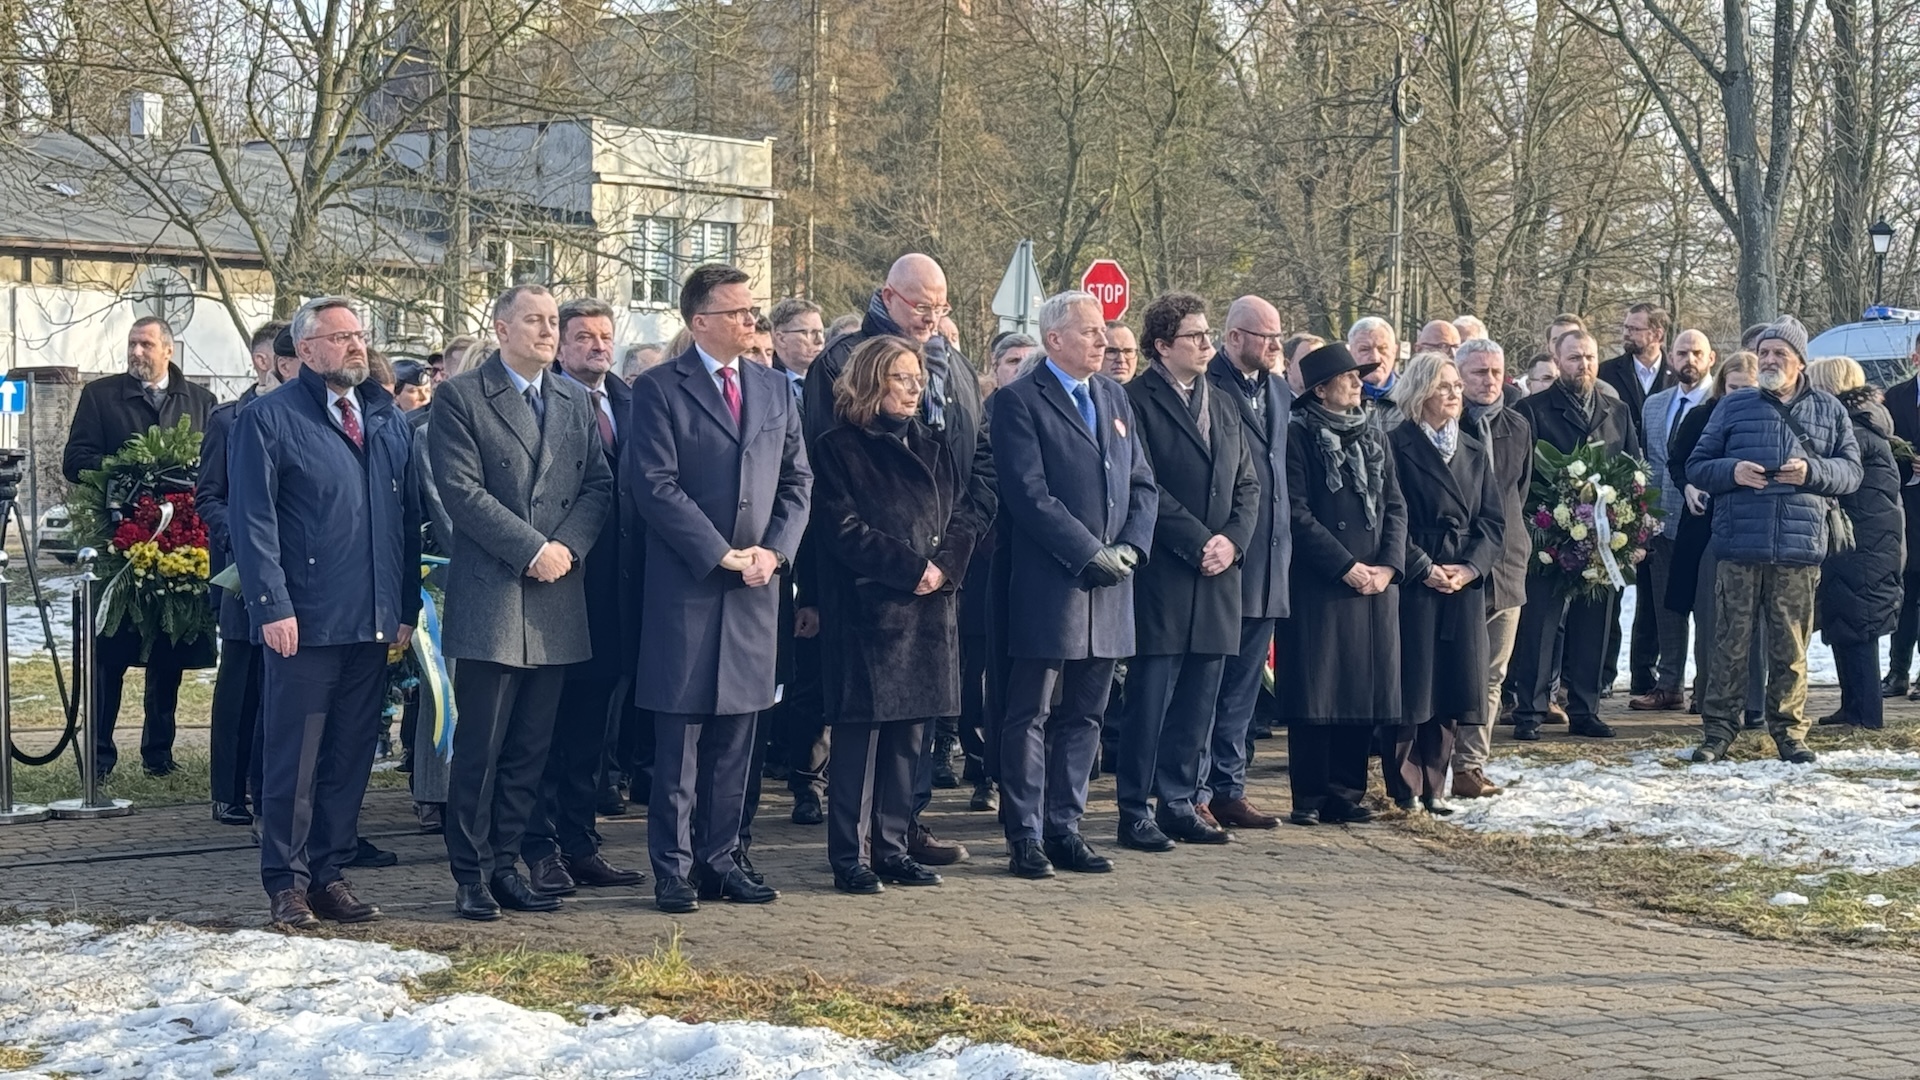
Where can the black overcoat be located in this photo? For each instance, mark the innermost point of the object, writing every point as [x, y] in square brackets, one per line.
[1695, 534]
[1619, 373]
[612, 618]
[1264, 565]
[1556, 419]
[886, 505]
[1339, 652]
[1454, 515]
[1512, 435]
[1859, 594]
[1065, 492]
[115, 409]
[1207, 488]
[1903, 405]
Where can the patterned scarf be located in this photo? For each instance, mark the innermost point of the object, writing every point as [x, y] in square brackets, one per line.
[934, 400]
[1195, 400]
[1445, 439]
[1351, 449]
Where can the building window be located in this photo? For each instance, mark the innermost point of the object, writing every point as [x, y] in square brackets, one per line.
[663, 250]
[709, 242]
[532, 263]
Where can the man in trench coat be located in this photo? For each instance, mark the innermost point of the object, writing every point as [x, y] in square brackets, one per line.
[718, 470]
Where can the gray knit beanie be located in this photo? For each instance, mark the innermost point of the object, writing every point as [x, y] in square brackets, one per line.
[1787, 329]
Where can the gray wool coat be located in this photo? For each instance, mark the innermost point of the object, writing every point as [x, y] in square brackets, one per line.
[703, 485]
[509, 485]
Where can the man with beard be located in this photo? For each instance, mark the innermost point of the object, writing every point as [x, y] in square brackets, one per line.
[1690, 362]
[1570, 413]
[153, 392]
[1636, 374]
[325, 518]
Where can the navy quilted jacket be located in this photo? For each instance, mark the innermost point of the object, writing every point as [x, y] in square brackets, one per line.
[1781, 523]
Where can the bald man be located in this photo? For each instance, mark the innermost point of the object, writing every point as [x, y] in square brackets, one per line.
[1438, 336]
[911, 304]
[1247, 371]
[1690, 361]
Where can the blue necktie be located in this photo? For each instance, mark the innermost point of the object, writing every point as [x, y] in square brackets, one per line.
[1085, 402]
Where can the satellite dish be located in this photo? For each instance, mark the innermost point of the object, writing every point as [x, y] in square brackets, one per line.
[164, 293]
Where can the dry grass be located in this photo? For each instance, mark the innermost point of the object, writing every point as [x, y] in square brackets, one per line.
[13, 1059]
[664, 983]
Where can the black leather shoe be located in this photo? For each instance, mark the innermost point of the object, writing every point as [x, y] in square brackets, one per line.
[550, 878]
[432, 816]
[1144, 836]
[806, 810]
[1590, 727]
[513, 893]
[291, 910]
[227, 813]
[746, 867]
[901, 870]
[1028, 861]
[1793, 751]
[1071, 852]
[1190, 830]
[1894, 685]
[736, 888]
[596, 872]
[1304, 817]
[161, 768]
[614, 807]
[1526, 730]
[476, 903]
[1345, 814]
[1709, 752]
[986, 797]
[675, 896]
[860, 881]
[337, 903]
[365, 854]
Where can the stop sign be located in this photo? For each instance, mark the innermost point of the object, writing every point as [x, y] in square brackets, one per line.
[1108, 283]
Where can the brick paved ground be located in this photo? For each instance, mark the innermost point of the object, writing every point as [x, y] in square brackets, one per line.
[1356, 940]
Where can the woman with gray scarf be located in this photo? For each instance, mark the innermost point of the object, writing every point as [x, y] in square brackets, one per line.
[1338, 655]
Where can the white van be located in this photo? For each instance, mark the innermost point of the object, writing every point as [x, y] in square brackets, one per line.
[1883, 343]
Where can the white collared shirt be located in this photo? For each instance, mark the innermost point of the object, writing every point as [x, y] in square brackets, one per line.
[1648, 375]
[1684, 401]
[713, 369]
[605, 402]
[333, 409]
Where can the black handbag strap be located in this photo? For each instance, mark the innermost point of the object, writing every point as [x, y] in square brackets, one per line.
[1806, 441]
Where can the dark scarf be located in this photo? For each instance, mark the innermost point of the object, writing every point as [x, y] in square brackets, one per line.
[934, 400]
[1194, 399]
[1350, 448]
[1585, 406]
[1485, 415]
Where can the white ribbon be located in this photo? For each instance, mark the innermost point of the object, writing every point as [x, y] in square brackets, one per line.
[1603, 535]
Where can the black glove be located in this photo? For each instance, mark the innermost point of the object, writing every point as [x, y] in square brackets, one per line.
[1111, 565]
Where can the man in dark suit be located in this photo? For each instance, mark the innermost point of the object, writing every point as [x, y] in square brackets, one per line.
[1187, 594]
[561, 847]
[1903, 402]
[519, 463]
[153, 392]
[718, 470]
[912, 304]
[236, 685]
[1508, 435]
[1568, 414]
[1246, 372]
[325, 517]
[1079, 504]
[1638, 373]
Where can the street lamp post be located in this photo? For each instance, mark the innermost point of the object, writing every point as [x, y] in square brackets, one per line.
[1882, 234]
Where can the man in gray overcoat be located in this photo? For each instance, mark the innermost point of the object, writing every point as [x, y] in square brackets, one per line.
[718, 470]
[519, 467]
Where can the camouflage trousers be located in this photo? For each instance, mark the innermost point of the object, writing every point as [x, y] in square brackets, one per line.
[1745, 594]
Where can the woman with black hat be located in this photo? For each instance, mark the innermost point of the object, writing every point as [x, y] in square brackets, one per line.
[1339, 654]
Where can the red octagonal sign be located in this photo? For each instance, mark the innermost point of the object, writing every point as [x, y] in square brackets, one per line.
[1108, 283]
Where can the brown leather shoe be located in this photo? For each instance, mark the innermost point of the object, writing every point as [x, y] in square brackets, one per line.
[1205, 813]
[1657, 700]
[595, 871]
[291, 910]
[1556, 713]
[549, 877]
[1473, 784]
[337, 902]
[924, 847]
[1242, 814]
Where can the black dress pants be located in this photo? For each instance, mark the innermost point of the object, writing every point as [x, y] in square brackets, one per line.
[699, 792]
[234, 721]
[499, 755]
[1585, 621]
[1164, 732]
[563, 818]
[161, 699]
[1327, 765]
[870, 790]
[1418, 755]
[1907, 630]
[320, 719]
[800, 725]
[973, 707]
[1047, 750]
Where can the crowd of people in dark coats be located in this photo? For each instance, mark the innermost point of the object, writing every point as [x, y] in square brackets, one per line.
[840, 557]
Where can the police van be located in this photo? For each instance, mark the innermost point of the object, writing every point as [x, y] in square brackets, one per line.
[1882, 341]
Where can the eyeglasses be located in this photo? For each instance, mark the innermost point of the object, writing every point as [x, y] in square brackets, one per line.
[743, 314]
[927, 311]
[810, 335]
[911, 382]
[341, 339]
[1200, 337]
[1271, 339]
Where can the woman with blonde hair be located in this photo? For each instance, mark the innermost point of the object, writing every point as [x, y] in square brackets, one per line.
[1858, 599]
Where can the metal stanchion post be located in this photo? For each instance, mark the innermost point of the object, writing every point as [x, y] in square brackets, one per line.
[91, 804]
[11, 813]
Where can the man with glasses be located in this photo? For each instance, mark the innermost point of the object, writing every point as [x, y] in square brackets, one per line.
[1638, 373]
[799, 335]
[1123, 353]
[325, 526]
[911, 305]
[1246, 371]
[720, 477]
[1437, 336]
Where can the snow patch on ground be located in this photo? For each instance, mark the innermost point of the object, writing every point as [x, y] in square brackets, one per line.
[1820, 669]
[163, 1002]
[1784, 814]
[26, 638]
